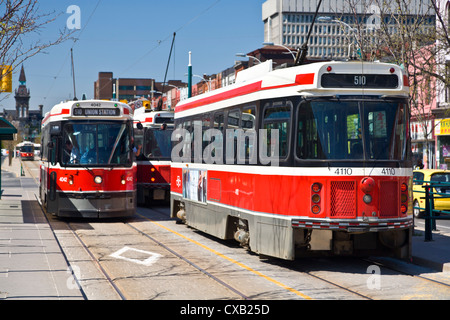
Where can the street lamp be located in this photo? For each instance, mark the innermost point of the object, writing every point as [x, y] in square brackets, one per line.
[243, 55]
[171, 85]
[207, 81]
[350, 28]
[279, 45]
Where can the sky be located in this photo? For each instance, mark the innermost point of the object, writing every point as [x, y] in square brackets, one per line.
[132, 39]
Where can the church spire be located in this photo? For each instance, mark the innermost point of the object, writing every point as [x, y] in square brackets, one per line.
[22, 78]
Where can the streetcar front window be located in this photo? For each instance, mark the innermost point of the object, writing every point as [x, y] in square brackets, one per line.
[27, 149]
[96, 143]
[158, 144]
[354, 130]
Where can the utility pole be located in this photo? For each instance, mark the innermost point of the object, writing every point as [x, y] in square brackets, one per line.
[190, 75]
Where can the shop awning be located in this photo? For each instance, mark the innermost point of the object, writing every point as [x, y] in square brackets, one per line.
[7, 130]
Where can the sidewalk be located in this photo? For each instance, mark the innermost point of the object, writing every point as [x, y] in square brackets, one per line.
[32, 265]
[434, 254]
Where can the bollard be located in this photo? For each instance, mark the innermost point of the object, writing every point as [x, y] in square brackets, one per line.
[429, 205]
[22, 173]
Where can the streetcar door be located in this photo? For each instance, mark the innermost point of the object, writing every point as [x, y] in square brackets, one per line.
[52, 176]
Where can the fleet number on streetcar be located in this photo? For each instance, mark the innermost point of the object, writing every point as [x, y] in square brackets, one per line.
[349, 171]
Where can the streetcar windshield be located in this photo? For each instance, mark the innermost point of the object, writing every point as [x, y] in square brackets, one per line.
[96, 143]
[27, 149]
[158, 144]
[355, 130]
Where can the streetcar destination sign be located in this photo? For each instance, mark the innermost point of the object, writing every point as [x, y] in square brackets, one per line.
[375, 81]
[96, 112]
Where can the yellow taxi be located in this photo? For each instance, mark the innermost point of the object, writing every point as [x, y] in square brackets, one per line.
[434, 175]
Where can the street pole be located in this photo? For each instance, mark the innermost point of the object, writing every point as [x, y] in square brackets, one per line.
[190, 75]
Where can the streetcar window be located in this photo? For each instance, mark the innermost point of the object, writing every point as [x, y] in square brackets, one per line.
[241, 130]
[96, 143]
[53, 151]
[160, 120]
[348, 129]
[196, 154]
[277, 116]
[158, 144]
[218, 121]
[234, 118]
[248, 125]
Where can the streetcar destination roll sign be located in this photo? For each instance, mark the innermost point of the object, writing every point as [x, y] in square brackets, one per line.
[96, 112]
[374, 81]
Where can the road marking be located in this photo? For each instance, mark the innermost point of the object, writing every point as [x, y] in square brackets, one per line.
[151, 256]
[4, 273]
[231, 260]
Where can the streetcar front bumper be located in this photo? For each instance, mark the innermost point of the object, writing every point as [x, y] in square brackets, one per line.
[97, 204]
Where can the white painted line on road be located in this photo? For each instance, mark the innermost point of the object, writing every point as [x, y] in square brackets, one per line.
[152, 257]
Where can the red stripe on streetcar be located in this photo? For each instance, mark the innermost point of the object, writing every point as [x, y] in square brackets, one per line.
[300, 79]
[222, 96]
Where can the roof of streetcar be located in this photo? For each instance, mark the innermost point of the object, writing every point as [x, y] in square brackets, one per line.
[297, 80]
[65, 109]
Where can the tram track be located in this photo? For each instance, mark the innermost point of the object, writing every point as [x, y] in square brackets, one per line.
[317, 277]
[191, 263]
[111, 280]
[105, 273]
[337, 284]
[238, 292]
[98, 264]
[107, 277]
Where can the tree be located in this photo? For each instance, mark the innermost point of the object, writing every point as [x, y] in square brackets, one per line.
[407, 33]
[19, 20]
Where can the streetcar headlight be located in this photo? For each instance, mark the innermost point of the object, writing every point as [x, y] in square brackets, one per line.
[367, 184]
[122, 180]
[367, 198]
[71, 179]
[98, 179]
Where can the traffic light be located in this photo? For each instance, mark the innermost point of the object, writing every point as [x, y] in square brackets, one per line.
[6, 78]
[146, 104]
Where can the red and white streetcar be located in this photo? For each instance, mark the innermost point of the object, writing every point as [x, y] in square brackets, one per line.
[87, 163]
[307, 160]
[26, 150]
[152, 133]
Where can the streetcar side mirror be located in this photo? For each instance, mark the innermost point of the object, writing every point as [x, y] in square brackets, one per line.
[139, 126]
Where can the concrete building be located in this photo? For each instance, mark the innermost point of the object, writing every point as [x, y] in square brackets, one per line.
[339, 28]
[107, 87]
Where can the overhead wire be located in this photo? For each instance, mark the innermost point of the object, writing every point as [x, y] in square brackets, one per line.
[159, 42]
[71, 49]
[138, 60]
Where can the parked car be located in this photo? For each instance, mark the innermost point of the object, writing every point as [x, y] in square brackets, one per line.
[435, 175]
